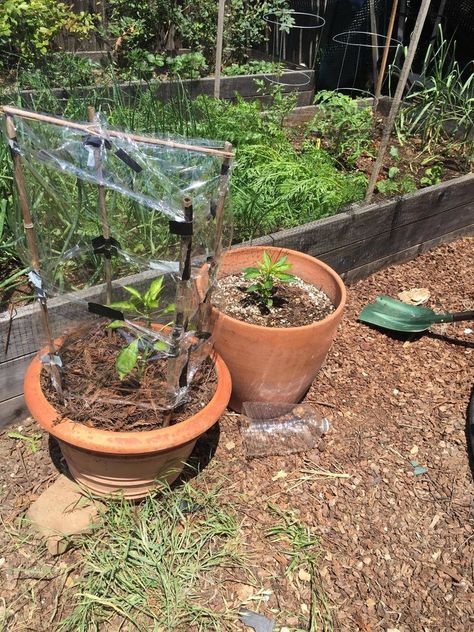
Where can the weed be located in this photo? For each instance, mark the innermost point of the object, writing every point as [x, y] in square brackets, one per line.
[152, 564]
[303, 549]
[33, 442]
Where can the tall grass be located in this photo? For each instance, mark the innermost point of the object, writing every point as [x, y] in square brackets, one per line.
[439, 105]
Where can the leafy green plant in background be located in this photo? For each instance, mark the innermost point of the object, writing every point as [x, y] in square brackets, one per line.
[440, 103]
[188, 65]
[28, 27]
[266, 275]
[253, 67]
[345, 127]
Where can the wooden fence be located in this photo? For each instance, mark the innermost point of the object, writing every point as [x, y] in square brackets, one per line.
[356, 243]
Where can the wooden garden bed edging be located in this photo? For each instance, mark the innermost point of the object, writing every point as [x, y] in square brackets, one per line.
[245, 86]
[356, 243]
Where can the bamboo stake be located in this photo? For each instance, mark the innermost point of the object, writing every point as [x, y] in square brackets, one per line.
[374, 38]
[90, 129]
[220, 37]
[393, 14]
[32, 245]
[415, 38]
[205, 312]
[180, 322]
[103, 212]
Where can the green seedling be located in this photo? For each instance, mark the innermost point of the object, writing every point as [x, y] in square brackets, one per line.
[267, 274]
[137, 353]
[33, 442]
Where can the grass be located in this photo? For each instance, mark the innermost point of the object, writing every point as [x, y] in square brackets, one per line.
[155, 565]
[303, 550]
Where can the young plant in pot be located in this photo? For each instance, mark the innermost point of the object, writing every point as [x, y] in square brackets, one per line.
[275, 315]
[127, 394]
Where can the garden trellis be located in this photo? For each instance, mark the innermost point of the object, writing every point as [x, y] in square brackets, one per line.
[106, 209]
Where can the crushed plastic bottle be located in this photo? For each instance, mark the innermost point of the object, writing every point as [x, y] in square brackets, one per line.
[280, 428]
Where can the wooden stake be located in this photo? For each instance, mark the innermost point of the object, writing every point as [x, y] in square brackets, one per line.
[378, 88]
[32, 244]
[219, 43]
[205, 309]
[374, 38]
[91, 116]
[90, 129]
[415, 38]
[180, 322]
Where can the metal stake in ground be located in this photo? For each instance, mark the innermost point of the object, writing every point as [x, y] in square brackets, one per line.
[205, 308]
[32, 247]
[103, 212]
[177, 378]
[415, 38]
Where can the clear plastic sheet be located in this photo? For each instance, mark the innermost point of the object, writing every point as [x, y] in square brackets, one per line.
[280, 428]
[113, 247]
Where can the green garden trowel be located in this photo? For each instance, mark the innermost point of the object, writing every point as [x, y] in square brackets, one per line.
[389, 313]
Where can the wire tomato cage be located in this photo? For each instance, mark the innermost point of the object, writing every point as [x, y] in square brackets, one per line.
[304, 47]
[115, 225]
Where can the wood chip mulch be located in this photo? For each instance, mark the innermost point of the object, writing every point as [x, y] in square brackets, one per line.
[398, 545]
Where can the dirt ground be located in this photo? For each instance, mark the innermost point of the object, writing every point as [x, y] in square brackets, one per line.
[396, 539]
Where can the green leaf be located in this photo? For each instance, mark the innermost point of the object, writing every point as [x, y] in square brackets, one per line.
[160, 346]
[394, 152]
[267, 262]
[128, 306]
[282, 262]
[392, 172]
[169, 308]
[115, 324]
[135, 293]
[252, 288]
[252, 273]
[285, 278]
[127, 359]
[153, 291]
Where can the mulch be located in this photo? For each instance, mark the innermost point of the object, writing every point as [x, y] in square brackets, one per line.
[94, 394]
[396, 535]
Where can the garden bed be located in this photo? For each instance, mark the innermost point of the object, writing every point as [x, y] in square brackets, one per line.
[389, 544]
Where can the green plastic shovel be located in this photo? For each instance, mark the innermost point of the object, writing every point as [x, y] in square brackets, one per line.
[389, 313]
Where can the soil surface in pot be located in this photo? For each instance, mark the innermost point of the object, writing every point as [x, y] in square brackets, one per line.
[96, 397]
[294, 304]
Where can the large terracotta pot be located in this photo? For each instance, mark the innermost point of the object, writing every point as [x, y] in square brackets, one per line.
[129, 463]
[275, 364]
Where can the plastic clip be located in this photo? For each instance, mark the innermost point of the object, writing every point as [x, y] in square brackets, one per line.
[181, 228]
[107, 247]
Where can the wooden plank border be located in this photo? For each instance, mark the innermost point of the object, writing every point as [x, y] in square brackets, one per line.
[245, 86]
[356, 242]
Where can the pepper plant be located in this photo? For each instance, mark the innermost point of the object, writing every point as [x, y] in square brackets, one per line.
[266, 275]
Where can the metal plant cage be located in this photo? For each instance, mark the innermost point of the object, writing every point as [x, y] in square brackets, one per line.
[297, 44]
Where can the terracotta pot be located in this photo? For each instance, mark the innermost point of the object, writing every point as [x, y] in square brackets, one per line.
[130, 463]
[275, 364]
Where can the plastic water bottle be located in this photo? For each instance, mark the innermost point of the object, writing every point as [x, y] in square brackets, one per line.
[280, 428]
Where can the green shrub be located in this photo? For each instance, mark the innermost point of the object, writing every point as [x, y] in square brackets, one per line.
[28, 27]
[345, 127]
